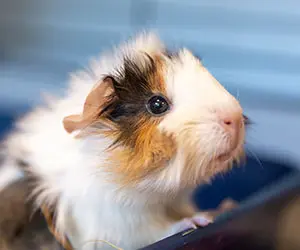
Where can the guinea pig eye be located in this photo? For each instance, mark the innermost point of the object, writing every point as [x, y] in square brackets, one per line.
[157, 105]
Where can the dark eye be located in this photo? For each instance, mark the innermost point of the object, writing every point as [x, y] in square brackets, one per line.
[158, 105]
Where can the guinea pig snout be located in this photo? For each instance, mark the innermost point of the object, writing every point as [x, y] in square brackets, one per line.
[232, 124]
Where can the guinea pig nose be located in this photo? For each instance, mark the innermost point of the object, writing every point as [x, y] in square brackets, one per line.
[231, 121]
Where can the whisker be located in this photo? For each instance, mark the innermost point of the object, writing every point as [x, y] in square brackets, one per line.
[255, 157]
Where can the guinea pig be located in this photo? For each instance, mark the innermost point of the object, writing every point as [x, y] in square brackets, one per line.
[114, 160]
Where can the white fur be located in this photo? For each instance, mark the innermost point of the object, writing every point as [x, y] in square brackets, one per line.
[89, 206]
[9, 173]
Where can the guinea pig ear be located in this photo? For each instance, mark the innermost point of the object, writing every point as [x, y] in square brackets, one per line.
[95, 102]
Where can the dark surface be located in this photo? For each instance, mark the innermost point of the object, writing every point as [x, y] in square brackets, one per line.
[269, 221]
[241, 182]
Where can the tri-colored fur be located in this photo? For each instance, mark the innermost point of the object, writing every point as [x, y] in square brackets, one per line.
[111, 169]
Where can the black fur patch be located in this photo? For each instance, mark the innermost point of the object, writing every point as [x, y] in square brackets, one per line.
[133, 86]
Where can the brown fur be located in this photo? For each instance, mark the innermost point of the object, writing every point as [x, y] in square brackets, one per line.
[152, 152]
[51, 226]
[144, 149]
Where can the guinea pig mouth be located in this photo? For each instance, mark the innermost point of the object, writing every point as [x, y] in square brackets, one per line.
[228, 155]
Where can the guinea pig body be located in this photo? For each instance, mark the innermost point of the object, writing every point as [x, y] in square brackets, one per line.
[114, 157]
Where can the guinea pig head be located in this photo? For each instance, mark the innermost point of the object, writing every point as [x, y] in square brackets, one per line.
[206, 121]
[170, 122]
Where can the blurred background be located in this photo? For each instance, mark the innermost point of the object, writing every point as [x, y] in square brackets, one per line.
[252, 48]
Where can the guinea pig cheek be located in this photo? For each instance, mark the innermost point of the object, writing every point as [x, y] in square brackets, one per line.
[204, 148]
[151, 152]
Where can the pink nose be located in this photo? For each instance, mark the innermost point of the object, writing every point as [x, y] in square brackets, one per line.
[231, 122]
